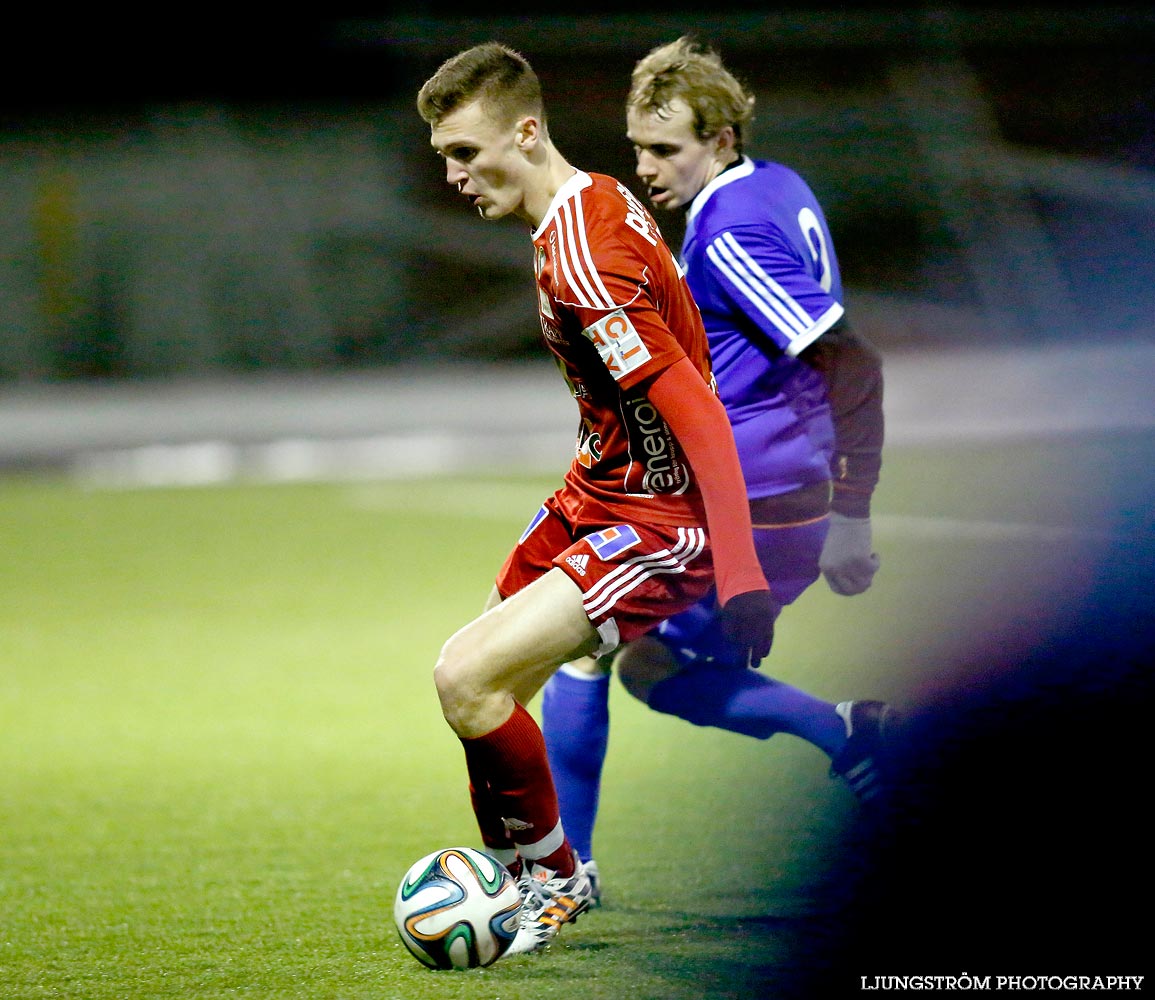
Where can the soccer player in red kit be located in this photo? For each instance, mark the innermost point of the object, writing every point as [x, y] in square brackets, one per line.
[652, 512]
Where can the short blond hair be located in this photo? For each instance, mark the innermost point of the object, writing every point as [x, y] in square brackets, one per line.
[693, 73]
[494, 73]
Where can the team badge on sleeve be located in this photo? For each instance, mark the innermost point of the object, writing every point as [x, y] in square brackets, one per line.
[619, 344]
[611, 541]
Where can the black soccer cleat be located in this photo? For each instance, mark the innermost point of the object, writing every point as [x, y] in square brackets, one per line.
[864, 762]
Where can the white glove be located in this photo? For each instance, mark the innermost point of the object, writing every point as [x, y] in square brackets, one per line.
[847, 561]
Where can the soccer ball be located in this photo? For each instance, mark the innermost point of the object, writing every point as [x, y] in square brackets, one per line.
[457, 908]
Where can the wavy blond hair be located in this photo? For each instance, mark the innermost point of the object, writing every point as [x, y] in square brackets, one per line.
[691, 72]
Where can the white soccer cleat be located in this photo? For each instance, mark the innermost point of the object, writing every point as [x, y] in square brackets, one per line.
[548, 901]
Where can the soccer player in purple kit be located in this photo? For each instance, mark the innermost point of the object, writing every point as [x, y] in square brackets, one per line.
[803, 393]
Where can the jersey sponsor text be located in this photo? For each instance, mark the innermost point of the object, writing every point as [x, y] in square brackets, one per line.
[618, 343]
[653, 451]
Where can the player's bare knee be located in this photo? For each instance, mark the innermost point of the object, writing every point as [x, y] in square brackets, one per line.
[642, 664]
[443, 680]
[470, 702]
[451, 678]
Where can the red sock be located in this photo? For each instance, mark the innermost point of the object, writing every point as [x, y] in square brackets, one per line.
[510, 763]
[494, 835]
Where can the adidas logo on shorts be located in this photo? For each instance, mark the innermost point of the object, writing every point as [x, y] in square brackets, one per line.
[579, 562]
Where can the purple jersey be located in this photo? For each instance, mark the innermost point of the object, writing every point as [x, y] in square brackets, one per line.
[760, 262]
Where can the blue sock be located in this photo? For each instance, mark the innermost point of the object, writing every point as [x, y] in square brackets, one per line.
[575, 719]
[746, 702]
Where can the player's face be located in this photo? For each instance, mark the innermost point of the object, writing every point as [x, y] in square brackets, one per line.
[672, 161]
[482, 160]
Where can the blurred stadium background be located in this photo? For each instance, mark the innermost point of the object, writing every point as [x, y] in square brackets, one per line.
[239, 194]
[231, 229]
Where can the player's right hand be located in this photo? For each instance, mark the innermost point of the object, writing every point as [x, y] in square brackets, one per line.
[848, 560]
[747, 622]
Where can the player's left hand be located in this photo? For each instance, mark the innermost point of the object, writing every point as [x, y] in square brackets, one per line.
[747, 622]
[847, 560]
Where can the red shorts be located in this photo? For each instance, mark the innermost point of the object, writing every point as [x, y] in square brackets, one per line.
[632, 576]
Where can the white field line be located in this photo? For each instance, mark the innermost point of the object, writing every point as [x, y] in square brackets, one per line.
[383, 457]
[521, 420]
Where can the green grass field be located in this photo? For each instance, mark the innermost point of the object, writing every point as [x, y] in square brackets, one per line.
[220, 747]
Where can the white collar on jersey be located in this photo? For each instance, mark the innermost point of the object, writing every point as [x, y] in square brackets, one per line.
[578, 182]
[743, 169]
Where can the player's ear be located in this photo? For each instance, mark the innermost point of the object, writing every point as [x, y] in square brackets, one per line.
[528, 133]
[725, 141]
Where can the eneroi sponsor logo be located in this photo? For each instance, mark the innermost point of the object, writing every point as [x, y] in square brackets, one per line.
[654, 446]
[579, 563]
[619, 345]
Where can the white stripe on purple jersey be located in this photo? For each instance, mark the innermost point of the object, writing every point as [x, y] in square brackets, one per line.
[764, 293]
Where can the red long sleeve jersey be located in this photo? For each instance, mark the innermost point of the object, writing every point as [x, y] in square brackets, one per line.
[615, 310]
